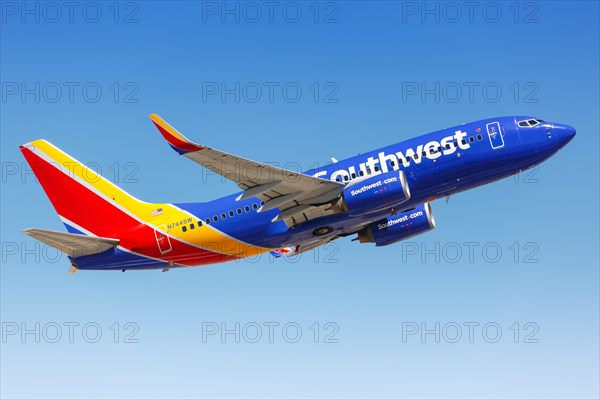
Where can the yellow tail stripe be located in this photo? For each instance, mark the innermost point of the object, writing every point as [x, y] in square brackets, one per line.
[205, 236]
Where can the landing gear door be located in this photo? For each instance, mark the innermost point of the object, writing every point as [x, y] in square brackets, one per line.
[495, 135]
[163, 241]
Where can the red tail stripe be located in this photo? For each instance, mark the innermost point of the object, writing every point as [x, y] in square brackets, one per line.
[79, 204]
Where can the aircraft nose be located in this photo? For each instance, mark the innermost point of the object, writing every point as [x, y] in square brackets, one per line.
[564, 133]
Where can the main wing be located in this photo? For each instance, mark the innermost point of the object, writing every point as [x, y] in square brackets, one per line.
[298, 197]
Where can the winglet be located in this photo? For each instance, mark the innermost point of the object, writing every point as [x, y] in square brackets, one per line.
[176, 140]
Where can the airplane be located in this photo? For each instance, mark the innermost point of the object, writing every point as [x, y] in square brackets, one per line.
[382, 196]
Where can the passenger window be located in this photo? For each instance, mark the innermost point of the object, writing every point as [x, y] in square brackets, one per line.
[448, 147]
[192, 226]
[376, 168]
[346, 178]
[393, 164]
[464, 141]
[440, 149]
[424, 153]
[215, 218]
[223, 216]
[416, 156]
[361, 172]
[207, 220]
[199, 223]
[455, 144]
[239, 211]
[231, 213]
[183, 228]
[353, 175]
[471, 139]
[246, 208]
[479, 137]
[255, 206]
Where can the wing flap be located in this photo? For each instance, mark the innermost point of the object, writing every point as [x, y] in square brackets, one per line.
[72, 244]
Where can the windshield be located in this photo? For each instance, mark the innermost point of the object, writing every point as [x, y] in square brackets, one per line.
[530, 122]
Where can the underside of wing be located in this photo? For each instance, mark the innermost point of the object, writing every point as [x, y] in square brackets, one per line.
[311, 246]
[298, 197]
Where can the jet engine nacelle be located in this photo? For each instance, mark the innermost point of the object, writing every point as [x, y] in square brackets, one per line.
[399, 227]
[375, 193]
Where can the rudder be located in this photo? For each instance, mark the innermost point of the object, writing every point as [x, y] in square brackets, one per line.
[85, 201]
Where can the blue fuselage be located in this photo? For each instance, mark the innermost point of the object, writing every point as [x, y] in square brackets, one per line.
[436, 165]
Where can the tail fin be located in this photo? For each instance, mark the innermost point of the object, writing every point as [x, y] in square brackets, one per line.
[86, 202]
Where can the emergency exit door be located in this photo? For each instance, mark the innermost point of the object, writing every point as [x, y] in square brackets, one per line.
[495, 135]
[163, 241]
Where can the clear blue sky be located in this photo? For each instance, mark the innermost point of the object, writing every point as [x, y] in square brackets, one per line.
[534, 239]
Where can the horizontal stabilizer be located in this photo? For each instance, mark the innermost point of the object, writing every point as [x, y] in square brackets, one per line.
[72, 244]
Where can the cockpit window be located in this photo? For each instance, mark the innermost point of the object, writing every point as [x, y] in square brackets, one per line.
[530, 122]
